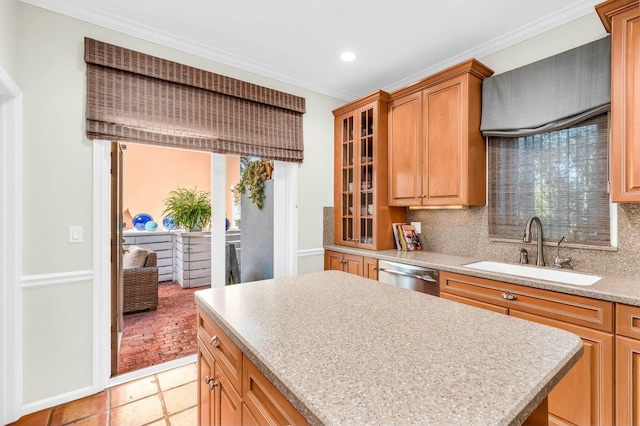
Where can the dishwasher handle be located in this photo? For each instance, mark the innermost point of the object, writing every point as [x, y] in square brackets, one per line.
[406, 274]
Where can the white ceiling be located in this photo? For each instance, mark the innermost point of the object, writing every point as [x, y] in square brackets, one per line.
[299, 42]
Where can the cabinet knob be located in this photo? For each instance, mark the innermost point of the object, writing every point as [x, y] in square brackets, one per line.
[509, 296]
[212, 383]
[215, 341]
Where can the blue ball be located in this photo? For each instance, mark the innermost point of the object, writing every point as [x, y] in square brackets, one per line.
[139, 220]
[151, 226]
[227, 224]
[169, 223]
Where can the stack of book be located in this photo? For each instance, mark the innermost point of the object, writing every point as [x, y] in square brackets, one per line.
[406, 237]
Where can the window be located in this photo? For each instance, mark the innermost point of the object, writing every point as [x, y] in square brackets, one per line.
[560, 176]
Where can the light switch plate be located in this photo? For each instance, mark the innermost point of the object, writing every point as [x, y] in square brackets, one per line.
[75, 234]
[418, 226]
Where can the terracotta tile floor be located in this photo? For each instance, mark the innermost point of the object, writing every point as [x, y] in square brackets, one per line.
[168, 398]
[154, 337]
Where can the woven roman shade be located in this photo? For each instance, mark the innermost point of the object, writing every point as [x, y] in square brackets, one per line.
[135, 97]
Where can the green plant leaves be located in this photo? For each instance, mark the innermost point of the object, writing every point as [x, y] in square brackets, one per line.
[252, 178]
[190, 208]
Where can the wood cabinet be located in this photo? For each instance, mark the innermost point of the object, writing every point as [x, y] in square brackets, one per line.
[627, 364]
[263, 403]
[222, 372]
[358, 265]
[622, 19]
[436, 150]
[362, 215]
[585, 395]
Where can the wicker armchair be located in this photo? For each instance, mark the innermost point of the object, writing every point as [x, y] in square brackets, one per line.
[140, 286]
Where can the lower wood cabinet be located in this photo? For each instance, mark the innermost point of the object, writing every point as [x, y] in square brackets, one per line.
[231, 389]
[627, 365]
[585, 396]
[262, 401]
[358, 265]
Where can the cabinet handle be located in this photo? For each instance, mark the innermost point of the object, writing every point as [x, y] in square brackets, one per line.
[215, 342]
[508, 296]
[212, 383]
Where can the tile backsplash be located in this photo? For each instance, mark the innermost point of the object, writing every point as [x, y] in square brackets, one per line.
[465, 233]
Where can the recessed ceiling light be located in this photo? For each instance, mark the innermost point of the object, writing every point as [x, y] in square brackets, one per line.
[348, 56]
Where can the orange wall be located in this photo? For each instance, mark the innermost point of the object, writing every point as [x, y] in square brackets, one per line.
[150, 173]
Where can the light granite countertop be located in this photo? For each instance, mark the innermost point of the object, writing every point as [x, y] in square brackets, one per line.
[348, 350]
[613, 289]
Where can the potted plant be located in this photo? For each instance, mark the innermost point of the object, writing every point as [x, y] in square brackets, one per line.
[252, 178]
[190, 209]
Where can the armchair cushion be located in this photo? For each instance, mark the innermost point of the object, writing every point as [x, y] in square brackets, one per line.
[135, 257]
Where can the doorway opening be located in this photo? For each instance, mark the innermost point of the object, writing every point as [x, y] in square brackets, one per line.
[156, 322]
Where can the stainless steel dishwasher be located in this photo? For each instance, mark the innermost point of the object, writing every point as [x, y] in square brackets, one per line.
[411, 277]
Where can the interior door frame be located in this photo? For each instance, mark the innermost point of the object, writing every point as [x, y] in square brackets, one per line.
[11, 386]
[285, 252]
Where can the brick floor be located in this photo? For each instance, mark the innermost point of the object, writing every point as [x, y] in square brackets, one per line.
[154, 337]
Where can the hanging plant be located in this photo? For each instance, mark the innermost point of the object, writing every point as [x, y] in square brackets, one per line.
[189, 208]
[252, 178]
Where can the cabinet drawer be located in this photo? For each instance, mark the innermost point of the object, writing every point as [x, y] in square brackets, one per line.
[267, 406]
[628, 321]
[596, 314]
[224, 351]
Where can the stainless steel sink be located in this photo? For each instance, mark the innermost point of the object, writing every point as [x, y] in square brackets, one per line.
[535, 272]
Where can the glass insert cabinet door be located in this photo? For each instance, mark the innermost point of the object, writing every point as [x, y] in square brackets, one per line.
[356, 174]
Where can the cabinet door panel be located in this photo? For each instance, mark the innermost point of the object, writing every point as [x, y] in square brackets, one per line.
[353, 264]
[627, 381]
[332, 261]
[206, 396]
[370, 268]
[228, 402]
[266, 404]
[405, 168]
[625, 96]
[585, 395]
[444, 133]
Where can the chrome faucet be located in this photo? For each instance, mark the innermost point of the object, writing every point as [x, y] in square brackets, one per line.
[527, 238]
[562, 262]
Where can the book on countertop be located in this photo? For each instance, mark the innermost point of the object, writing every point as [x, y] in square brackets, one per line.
[406, 237]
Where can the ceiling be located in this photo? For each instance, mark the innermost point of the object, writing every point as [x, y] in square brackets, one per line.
[299, 42]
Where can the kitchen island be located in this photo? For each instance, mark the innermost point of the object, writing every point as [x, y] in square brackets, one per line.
[347, 350]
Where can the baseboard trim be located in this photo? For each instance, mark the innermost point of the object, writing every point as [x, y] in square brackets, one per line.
[43, 280]
[32, 407]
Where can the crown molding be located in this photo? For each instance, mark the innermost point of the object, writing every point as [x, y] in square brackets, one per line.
[549, 22]
[83, 12]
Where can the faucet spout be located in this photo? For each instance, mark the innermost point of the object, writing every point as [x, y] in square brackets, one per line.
[527, 238]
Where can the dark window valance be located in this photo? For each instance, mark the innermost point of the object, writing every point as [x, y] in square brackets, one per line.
[135, 97]
[550, 94]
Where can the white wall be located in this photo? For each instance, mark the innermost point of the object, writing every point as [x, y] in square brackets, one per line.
[568, 36]
[58, 191]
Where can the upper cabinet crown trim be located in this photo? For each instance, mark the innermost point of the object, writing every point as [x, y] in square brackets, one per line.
[610, 8]
[472, 66]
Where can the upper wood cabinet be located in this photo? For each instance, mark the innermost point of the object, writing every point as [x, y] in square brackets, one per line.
[362, 215]
[622, 19]
[436, 150]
